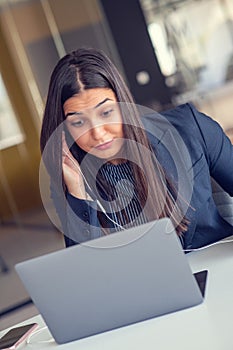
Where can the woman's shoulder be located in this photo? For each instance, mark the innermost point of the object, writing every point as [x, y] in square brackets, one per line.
[185, 118]
[183, 115]
[181, 112]
[181, 118]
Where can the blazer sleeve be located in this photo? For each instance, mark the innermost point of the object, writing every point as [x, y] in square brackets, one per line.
[217, 148]
[79, 221]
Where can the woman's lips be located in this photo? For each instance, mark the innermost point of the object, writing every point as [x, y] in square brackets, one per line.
[105, 145]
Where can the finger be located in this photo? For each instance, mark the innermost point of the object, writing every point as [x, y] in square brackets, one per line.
[70, 161]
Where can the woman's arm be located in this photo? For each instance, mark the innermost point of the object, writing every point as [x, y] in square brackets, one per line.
[218, 150]
[79, 221]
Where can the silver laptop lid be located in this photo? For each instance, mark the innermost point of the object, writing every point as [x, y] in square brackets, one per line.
[110, 282]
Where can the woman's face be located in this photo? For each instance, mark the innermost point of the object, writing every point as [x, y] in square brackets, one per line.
[94, 121]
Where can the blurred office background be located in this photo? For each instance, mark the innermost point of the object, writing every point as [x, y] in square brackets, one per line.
[169, 51]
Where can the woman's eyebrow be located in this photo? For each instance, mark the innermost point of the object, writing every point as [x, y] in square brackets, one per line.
[102, 102]
[73, 113]
[98, 105]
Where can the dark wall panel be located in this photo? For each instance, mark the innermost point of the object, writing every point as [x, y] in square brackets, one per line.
[129, 30]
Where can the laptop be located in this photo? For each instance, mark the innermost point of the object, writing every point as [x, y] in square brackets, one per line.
[110, 282]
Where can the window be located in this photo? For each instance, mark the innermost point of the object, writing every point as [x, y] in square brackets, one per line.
[10, 132]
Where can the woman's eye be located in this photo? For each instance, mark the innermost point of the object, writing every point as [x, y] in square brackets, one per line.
[107, 113]
[77, 123]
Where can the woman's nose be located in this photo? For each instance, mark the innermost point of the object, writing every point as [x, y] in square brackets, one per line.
[98, 131]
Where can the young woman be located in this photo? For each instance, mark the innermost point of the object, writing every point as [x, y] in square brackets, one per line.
[114, 164]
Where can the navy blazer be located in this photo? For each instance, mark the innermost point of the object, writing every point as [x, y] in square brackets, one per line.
[192, 148]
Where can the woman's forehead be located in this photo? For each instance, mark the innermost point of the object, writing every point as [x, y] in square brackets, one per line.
[88, 99]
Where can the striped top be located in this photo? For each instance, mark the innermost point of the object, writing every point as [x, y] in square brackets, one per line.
[123, 202]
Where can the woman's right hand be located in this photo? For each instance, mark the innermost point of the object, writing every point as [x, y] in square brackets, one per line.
[72, 172]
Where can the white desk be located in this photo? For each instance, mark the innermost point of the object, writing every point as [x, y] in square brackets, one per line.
[208, 326]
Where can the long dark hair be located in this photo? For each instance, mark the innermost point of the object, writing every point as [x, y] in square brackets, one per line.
[90, 68]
